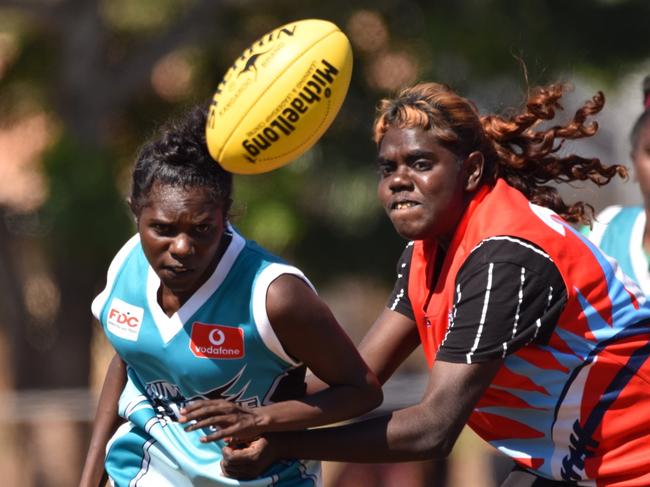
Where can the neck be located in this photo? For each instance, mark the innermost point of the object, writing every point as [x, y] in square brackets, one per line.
[170, 301]
[441, 241]
[445, 241]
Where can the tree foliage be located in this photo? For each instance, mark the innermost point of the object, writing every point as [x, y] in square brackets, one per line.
[108, 72]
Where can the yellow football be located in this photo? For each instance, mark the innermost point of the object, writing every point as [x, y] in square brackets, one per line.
[279, 96]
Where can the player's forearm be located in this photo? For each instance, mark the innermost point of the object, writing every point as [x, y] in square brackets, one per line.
[427, 430]
[331, 405]
[105, 424]
[93, 473]
[405, 435]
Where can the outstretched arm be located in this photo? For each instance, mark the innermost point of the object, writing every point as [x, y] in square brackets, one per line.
[106, 422]
[424, 431]
[308, 332]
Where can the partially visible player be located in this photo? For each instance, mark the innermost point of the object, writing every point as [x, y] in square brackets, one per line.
[199, 315]
[623, 232]
[534, 337]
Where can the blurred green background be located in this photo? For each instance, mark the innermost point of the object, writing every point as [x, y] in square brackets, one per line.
[84, 82]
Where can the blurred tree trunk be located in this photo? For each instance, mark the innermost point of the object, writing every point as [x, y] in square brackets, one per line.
[13, 314]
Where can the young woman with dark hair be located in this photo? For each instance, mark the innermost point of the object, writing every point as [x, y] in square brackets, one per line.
[206, 322]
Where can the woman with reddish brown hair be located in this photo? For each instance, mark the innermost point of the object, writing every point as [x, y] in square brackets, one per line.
[534, 338]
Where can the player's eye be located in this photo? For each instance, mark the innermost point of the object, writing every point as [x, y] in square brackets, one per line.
[385, 168]
[161, 228]
[422, 165]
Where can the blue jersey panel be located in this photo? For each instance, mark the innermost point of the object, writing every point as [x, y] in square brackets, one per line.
[618, 231]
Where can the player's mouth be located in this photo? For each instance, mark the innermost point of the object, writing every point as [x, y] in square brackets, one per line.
[177, 271]
[403, 205]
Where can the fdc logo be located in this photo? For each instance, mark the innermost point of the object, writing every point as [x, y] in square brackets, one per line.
[217, 341]
[124, 319]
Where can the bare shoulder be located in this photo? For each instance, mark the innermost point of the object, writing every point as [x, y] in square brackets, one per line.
[290, 299]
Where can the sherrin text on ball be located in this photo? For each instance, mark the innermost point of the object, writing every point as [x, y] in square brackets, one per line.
[279, 96]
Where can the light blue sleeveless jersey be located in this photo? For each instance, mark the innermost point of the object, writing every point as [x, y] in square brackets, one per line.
[218, 345]
[618, 231]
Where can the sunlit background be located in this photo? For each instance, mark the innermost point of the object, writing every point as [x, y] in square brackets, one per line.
[84, 82]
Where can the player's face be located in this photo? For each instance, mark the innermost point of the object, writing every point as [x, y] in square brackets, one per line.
[641, 160]
[421, 186]
[181, 229]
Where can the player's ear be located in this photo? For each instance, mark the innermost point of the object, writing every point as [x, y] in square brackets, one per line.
[473, 165]
[133, 209]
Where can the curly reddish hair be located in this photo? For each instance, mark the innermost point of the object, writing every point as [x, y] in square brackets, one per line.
[515, 148]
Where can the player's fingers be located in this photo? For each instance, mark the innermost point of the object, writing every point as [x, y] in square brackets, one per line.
[194, 405]
[217, 435]
[201, 409]
[236, 457]
[214, 421]
[239, 471]
[223, 432]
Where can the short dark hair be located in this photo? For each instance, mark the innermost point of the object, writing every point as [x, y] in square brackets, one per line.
[178, 156]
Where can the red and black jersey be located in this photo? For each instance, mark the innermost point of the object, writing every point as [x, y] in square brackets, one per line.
[570, 401]
[522, 304]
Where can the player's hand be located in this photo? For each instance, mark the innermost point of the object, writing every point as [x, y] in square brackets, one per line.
[229, 419]
[248, 461]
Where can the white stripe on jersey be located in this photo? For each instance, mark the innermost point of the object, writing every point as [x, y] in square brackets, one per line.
[538, 323]
[453, 314]
[550, 298]
[520, 296]
[486, 300]
[399, 296]
[522, 281]
[145, 463]
[136, 404]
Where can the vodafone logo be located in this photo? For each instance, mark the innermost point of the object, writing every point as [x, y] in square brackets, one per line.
[124, 319]
[217, 341]
[220, 337]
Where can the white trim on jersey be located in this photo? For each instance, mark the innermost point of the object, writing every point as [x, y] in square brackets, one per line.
[264, 328]
[601, 221]
[156, 469]
[123, 429]
[169, 326]
[99, 302]
[523, 243]
[637, 253]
